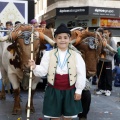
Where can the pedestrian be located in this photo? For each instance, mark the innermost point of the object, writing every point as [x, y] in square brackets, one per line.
[66, 75]
[43, 24]
[17, 23]
[34, 23]
[9, 26]
[1, 25]
[117, 55]
[116, 72]
[7, 85]
[105, 67]
[1, 28]
[50, 26]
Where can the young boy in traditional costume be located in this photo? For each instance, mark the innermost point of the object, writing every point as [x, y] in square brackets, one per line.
[66, 73]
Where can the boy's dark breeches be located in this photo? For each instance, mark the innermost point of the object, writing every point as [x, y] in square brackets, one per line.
[86, 100]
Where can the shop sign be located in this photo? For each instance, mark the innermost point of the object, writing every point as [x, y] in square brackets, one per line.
[110, 22]
[72, 11]
[99, 11]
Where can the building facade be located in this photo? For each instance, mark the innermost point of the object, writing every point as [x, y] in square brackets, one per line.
[83, 13]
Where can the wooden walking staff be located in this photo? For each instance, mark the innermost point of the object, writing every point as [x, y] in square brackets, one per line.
[30, 79]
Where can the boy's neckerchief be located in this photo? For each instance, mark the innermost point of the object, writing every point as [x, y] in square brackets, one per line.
[61, 65]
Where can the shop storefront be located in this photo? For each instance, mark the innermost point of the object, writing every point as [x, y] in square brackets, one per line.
[92, 17]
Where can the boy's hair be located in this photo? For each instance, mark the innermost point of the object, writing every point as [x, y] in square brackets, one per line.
[43, 22]
[9, 22]
[100, 30]
[118, 43]
[108, 29]
[17, 22]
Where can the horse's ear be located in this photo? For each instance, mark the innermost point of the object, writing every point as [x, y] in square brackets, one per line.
[14, 35]
[87, 29]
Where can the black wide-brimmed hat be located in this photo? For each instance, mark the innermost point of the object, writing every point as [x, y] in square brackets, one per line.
[62, 28]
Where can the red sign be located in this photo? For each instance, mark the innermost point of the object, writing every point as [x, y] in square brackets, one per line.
[110, 22]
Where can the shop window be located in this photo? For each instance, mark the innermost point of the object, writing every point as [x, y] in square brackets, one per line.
[71, 24]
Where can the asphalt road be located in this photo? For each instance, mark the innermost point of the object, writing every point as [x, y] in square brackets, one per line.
[102, 107]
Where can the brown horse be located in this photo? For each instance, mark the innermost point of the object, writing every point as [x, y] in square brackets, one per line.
[91, 45]
[15, 55]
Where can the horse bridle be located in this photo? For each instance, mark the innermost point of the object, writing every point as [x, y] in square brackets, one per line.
[91, 41]
[26, 36]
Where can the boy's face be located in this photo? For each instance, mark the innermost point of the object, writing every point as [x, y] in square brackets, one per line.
[43, 25]
[8, 26]
[62, 41]
[35, 24]
[107, 33]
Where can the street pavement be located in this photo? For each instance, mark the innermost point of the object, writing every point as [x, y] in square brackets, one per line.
[102, 107]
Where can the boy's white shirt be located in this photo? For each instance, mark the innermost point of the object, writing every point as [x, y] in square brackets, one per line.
[42, 69]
